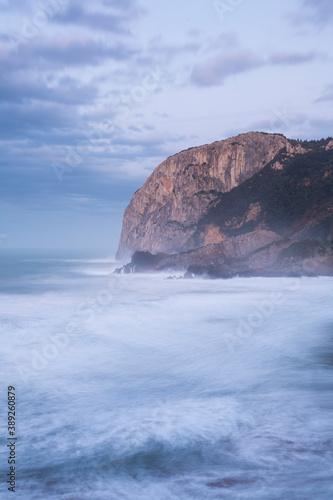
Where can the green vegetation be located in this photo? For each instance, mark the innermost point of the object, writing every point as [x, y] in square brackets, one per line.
[311, 144]
[298, 193]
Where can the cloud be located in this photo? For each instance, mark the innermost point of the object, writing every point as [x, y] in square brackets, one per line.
[80, 52]
[131, 7]
[318, 11]
[39, 123]
[159, 52]
[115, 23]
[36, 187]
[7, 5]
[120, 4]
[294, 124]
[285, 59]
[224, 41]
[59, 53]
[282, 120]
[109, 174]
[156, 45]
[16, 87]
[215, 69]
[322, 127]
[327, 95]
[47, 78]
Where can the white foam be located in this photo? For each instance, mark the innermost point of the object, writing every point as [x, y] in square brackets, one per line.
[154, 388]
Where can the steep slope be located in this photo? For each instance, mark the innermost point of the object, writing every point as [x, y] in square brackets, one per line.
[163, 214]
[291, 196]
[278, 220]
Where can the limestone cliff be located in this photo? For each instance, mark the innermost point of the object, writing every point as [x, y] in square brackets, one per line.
[255, 204]
[163, 214]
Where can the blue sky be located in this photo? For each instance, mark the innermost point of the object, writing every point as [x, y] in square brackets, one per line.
[94, 95]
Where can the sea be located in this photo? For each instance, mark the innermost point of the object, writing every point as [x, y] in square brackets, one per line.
[140, 387]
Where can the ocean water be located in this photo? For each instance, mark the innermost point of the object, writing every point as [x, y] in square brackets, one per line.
[138, 387]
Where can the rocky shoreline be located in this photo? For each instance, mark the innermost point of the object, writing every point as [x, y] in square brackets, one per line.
[311, 259]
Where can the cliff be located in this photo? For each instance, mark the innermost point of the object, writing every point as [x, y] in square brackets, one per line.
[238, 204]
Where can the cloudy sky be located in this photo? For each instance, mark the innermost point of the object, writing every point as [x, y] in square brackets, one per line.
[94, 95]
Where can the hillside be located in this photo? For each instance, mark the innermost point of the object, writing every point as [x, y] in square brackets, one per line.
[257, 204]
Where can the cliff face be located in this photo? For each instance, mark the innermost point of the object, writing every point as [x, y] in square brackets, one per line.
[254, 204]
[163, 214]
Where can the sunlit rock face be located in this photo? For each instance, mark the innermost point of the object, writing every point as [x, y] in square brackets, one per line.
[162, 215]
[239, 203]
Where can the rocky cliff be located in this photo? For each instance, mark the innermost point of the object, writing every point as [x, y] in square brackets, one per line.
[163, 214]
[237, 204]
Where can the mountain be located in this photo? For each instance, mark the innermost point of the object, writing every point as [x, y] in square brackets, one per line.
[254, 204]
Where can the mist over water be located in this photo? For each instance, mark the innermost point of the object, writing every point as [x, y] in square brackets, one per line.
[138, 387]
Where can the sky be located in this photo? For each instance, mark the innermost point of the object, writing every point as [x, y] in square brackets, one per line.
[95, 95]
